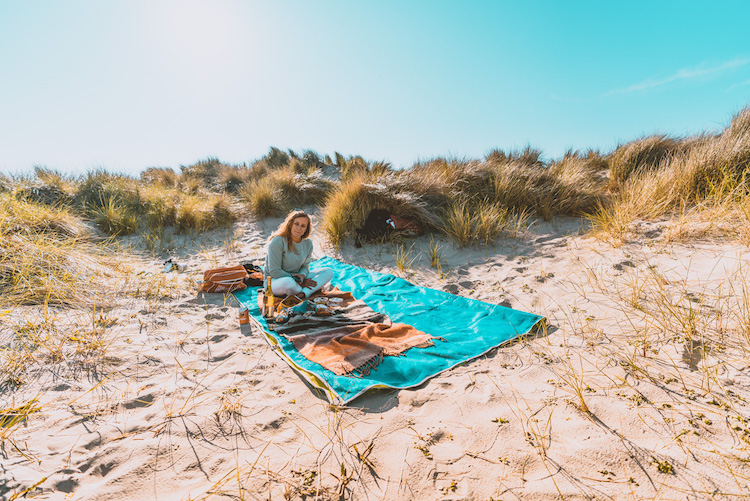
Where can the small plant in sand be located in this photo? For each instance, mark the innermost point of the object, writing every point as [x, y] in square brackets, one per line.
[230, 405]
[573, 375]
[403, 257]
[13, 416]
[663, 466]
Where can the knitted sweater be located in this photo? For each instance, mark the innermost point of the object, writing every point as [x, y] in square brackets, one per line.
[282, 262]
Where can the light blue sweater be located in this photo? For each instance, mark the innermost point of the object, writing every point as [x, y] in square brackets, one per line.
[281, 262]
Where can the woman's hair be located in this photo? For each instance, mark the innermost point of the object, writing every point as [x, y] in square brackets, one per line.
[285, 228]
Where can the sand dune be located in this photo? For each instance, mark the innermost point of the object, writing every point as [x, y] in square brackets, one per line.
[637, 389]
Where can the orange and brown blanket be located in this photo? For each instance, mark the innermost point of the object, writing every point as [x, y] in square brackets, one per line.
[351, 341]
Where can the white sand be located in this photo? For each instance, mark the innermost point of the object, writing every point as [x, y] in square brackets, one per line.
[191, 406]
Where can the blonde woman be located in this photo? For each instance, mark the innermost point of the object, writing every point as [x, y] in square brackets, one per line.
[288, 257]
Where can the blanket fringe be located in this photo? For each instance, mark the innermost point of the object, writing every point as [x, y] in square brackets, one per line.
[426, 344]
[364, 369]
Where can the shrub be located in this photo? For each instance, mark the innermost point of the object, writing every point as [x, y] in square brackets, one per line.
[221, 213]
[232, 179]
[160, 206]
[116, 219]
[47, 195]
[205, 171]
[639, 156]
[529, 157]
[705, 179]
[160, 176]
[475, 223]
[203, 214]
[99, 187]
[262, 198]
[276, 158]
[348, 205]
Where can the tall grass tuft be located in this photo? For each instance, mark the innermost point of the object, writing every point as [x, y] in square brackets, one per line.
[159, 176]
[468, 223]
[640, 156]
[46, 256]
[262, 198]
[116, 219]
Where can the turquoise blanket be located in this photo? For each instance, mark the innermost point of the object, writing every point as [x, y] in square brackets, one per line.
[468, 328]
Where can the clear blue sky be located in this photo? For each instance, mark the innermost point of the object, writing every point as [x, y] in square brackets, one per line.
[126, 85]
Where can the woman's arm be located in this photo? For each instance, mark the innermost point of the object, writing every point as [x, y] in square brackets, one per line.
[304, 270]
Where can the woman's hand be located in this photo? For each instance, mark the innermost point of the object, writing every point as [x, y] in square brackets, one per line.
[305, 282]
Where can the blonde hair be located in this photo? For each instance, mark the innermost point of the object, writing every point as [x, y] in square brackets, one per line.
[285, 228]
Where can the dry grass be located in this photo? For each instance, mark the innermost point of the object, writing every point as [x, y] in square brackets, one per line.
[46, 256]
[700, 182]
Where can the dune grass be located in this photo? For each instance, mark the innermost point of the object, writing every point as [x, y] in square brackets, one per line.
[700, 182]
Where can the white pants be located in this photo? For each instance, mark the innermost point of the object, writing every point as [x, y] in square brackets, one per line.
[286, 286]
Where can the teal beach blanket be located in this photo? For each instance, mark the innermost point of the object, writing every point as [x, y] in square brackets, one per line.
[468, 328]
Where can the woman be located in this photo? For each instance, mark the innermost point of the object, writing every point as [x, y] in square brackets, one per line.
[288, 258]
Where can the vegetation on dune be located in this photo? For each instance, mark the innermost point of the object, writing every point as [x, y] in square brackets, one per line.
[46, 255]
[700, 179]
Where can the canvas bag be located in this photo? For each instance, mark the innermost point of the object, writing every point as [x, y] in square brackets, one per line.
[229, 279]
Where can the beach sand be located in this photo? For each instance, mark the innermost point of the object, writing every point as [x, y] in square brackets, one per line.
[637, 389]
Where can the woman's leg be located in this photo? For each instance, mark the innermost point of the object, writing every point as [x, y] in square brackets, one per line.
[322, 276]
[285, 286]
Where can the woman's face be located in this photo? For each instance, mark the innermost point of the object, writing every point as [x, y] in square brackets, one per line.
[299, 227]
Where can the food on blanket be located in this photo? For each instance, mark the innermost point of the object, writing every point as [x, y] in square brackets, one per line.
[290, 302]
[281, 317]
[323, 310]
[335, 300]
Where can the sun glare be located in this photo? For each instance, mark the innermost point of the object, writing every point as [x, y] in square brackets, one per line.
[203, 35]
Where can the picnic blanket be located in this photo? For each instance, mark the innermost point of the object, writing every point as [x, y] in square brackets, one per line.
[353, 340]
[464, 329]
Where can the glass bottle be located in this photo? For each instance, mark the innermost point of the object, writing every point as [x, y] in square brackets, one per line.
[269, 300]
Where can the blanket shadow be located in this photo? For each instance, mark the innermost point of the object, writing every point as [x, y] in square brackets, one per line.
[377, 400]
[374, 401]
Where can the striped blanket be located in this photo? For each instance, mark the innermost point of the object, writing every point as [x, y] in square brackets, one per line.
[353, 340]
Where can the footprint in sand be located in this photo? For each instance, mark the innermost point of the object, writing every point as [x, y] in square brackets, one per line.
[141, 401]
[68, 485]
[622, 264]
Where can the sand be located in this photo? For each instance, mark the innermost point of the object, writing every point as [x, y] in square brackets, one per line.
[637, 389]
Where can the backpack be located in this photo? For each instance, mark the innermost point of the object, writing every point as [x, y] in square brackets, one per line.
[381, 224]
[377, 225]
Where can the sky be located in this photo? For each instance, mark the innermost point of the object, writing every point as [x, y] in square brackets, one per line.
[131, 84]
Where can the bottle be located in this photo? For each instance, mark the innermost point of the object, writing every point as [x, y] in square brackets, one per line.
[262, 302]
[269, 300]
